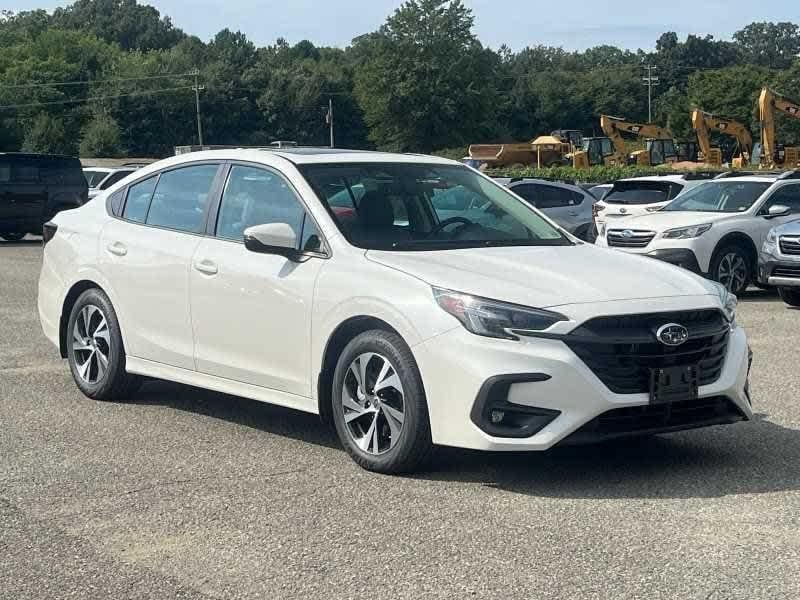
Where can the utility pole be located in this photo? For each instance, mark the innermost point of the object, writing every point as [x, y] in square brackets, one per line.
[329, 118]
[197, 88]
[650, 81]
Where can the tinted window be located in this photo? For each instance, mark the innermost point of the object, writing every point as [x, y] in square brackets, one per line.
[418, 206]
[638, 192]
[181, 197]
[729, 196]
[115, 202]
[93, 178]
[786, 196]
[24, 172]
[114, 178]
[256, 196]
[548, 196]
[139, 200]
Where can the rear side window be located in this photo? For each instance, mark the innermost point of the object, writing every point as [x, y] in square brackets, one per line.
[139, 196]
[181, 197]
[548, 196]
[639, 192]
[24, 172]
[788, 195]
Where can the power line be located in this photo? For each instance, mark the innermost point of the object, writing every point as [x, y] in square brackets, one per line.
[94, 81]
[94, 98]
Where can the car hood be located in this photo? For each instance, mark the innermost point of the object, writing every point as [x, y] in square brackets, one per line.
[669, 219]
[547, 276]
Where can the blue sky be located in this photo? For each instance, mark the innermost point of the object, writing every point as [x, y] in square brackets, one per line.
[573, 24]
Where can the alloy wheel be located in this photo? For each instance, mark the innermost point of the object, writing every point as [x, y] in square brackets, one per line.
[91, 344]
[732, 271]
[373, 403]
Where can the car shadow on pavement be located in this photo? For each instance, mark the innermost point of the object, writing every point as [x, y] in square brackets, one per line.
[265, 417]
[21, 243]
[746, 458]
[759, 295]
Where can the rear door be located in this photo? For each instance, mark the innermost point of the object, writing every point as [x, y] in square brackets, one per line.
[147, 255]
[23, 195]
[559, 203]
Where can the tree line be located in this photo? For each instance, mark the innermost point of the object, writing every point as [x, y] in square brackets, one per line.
[116, 78]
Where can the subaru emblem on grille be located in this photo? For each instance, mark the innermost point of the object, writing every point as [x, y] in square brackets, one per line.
[672, 334]
[627, 233]
[623, 211]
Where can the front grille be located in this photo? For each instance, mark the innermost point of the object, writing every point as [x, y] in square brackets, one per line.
[790, 245]
[629, 238]
[622, 351]
[653, 418]
[789, 272]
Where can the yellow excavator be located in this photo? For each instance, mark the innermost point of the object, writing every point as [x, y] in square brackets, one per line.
[660, 142]
[704, 122]
[771, 155]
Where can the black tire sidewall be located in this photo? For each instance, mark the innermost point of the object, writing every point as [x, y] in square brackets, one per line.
[103, 389]
[722, 252]
[414, 441]
[790, 296]
[12, 236]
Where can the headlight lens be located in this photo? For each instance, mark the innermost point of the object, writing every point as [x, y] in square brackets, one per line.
[685, 233]
[729, 303]
[491, 318]
[772, 238]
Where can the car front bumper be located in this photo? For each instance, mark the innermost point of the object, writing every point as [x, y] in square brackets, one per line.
[546, 377]
[779, 271]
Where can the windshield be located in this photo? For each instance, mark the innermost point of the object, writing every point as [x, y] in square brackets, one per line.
[93, 178]
[640, 192]
[384, 206]
[720, 196]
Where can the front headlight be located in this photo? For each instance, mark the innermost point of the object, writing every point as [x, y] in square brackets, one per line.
[772, 238]
[729, 303]
[492, 318]
[685, 233]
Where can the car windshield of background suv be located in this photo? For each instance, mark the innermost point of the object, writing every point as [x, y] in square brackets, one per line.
[93, 178]
[720, 196]
[386, 206]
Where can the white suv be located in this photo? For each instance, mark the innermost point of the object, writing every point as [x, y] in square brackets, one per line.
[234, 270]
[715, 229]
[640, 196]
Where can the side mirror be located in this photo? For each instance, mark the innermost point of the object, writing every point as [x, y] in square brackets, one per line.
[272, 238]
[779, 210]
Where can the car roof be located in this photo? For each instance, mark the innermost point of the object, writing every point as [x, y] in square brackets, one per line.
[667, 178]
[507, 181]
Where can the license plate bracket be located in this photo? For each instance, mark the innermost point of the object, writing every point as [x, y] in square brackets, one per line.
[673, 384]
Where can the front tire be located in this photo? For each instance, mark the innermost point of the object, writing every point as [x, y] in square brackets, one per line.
[731, 267]
[379, 405]
[790, 296]
[95, 350]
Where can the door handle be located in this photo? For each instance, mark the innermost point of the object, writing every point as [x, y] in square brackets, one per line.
[206, 266]
[117, 248]
[573, 213]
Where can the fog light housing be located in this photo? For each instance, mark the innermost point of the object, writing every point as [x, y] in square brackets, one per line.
[495, 415]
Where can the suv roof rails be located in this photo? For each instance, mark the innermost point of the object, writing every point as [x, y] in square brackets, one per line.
[731, 174]
[134, 164]
[793, 174]
[695, 175]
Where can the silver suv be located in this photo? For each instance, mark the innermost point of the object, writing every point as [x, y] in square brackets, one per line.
[779, 261]
[568, 205]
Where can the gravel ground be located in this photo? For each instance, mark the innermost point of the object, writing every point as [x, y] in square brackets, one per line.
[191, 494]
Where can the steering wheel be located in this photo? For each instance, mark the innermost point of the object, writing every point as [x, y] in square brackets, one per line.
[447, 222]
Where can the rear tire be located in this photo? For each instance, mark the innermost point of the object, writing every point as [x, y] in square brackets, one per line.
[732, 267]
[95, 350]
[379, 405]
[12, 236]
[790, 296]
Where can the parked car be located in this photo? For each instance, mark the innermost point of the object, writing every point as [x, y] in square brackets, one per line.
[640, 196]
[598, 190]
[229, 270]
[33, 188]
[779, 263]
[568, 205]
[716, 228]
[102, 178]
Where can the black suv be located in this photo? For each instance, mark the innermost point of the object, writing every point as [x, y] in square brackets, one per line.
[34, 187]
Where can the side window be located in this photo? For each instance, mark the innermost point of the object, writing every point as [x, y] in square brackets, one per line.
[674, 190]
[255, 196]
[114, 202]
[114, 178]
[529, 193]
[788, 195]
[554, 197]
[139, 196]
[181, 197]
[24, 172]
[311, 240]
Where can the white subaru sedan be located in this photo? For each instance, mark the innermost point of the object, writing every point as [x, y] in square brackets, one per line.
[326, 281]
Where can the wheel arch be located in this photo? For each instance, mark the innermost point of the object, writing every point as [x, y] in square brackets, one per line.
[72, 295]
[738, 238]
[338, 339]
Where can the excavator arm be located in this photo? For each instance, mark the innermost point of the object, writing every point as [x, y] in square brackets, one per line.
[614, 126]
[703, 122]
[768, 103]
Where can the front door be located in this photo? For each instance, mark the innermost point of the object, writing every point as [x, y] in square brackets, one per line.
[788, 195]
[251, 312]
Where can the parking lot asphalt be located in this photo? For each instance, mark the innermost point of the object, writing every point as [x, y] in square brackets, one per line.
[191, 494]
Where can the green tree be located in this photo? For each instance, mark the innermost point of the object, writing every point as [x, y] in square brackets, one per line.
[773, 45]
[101, 138]
[423, 79]
[46, 134]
